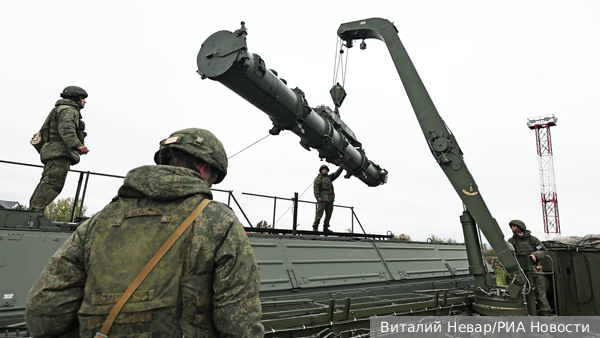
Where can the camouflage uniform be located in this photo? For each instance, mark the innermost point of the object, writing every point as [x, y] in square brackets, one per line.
[528, 244]
[206, 285]
[63, 133]
[323, 189]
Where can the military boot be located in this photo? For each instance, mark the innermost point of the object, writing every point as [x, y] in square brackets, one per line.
[39, 211]
[326, 228]
[315, 228]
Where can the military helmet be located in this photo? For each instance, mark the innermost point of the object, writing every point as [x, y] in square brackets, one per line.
[518, 223]
[323, 167]
[199, 143]
[73, 91]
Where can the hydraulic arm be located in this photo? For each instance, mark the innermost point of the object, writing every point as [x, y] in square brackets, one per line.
[224, 57]
[445, 149]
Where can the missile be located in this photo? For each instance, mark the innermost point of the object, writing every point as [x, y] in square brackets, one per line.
[224, 57]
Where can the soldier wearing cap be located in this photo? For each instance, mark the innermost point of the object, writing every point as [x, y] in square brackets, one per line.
[525, 243]
[206, 285]
[63, 133]
[323, 189]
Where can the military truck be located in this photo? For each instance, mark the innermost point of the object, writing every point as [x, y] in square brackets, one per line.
[325, 286]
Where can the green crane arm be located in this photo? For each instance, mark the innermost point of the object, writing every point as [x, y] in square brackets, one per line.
[441, 141]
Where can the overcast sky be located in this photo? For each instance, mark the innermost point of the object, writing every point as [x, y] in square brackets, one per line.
[487, 65]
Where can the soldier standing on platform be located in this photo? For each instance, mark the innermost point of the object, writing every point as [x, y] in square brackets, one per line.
[63, 134]
[323, 188]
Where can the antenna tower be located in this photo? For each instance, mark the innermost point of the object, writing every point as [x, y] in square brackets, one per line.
[541, 125]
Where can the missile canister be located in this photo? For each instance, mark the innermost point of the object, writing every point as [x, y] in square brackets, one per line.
[224, 57]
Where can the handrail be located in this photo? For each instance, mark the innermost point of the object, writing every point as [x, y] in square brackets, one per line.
[79, 183]
[229, 193]
[76, 171]
[295, 200]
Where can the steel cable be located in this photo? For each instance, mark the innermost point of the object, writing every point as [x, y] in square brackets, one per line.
[288, 209]
[249, 146]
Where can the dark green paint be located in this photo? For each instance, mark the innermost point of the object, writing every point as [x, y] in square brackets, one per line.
[224, 57]
[445, 150]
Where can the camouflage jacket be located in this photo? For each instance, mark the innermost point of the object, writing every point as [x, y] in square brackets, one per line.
[205, 286]
[323, 186]
[528, 244]
[63, 132]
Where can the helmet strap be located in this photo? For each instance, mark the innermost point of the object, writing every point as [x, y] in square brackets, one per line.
[211, 180]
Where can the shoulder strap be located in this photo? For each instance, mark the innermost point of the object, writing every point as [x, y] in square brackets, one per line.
[44, 130]
[161, 252]
[516, 246]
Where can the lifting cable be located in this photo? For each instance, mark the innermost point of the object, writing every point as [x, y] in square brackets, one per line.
[288, 209]
[249, 146]
[311, 183]
[338, 62]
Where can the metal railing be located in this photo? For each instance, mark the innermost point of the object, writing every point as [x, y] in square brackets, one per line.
[81, 175]
[230, 197]
[295, 200]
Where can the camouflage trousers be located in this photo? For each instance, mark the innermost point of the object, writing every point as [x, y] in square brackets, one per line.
[326, 207]
[51, 183]
[540, 292]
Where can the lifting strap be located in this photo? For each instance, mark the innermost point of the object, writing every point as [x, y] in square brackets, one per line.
[151, 264]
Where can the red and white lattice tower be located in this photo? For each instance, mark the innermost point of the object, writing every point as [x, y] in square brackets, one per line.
[541, 125]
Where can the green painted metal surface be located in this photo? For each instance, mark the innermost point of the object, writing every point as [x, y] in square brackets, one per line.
[224, 57]
[445, 149]
[305, 270]
[318, 266]
[571, 277]
[313, 285]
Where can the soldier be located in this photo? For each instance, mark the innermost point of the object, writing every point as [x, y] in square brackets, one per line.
[63, 133]
[325, 196]
[525, 243]
[206, 285]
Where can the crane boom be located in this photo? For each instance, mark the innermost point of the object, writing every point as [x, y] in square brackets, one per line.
[447, 152]
[224, 57]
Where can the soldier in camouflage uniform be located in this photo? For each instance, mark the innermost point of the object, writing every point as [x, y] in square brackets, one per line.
[325, 196]
[206, 285]
[63, 133]
[525, 243]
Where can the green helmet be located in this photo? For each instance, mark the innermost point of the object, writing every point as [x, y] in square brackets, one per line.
[73, 91]
[199, 143]
[518, 223]
[323, 167]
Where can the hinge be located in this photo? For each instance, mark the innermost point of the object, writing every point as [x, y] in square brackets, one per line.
[385, 275]
[293, 280]
[451, 269]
